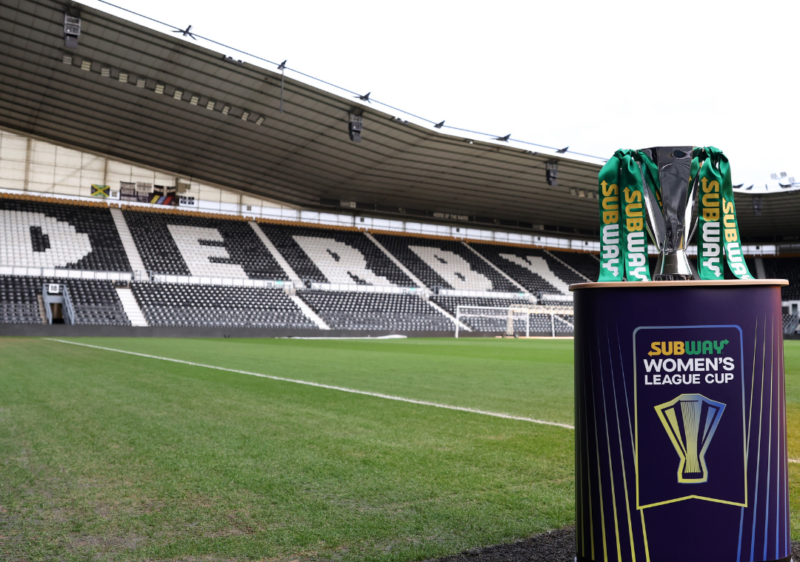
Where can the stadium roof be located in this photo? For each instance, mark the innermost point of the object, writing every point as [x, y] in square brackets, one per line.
[151, 98]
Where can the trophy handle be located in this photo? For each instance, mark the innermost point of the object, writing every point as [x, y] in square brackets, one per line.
[694, 195]
[655, 219]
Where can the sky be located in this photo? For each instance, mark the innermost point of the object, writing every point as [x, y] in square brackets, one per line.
[592, 75]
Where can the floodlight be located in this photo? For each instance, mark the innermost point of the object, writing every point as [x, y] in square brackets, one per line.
[225, 109]
[245, 115]
[86, 65]
[260, 120]
[159, 88]
[123, 77]
[194, 100]
[140, 82]
[177, 95]
[66, 59]
[105, 72]
[210, 105]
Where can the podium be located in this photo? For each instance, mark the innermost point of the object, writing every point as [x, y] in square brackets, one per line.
[680, 422]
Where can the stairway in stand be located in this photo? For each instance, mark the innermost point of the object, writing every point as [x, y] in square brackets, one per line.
[131, 307]
[127, 241]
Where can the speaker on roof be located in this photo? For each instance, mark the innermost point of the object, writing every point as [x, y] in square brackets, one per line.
[72, 30]
[355, 127]
[552, 173]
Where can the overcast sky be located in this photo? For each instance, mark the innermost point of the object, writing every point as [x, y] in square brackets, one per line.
[591, 75]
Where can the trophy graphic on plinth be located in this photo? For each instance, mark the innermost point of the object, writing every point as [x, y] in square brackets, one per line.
[690, 421]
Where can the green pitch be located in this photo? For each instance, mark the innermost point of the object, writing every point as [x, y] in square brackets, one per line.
[110, 456]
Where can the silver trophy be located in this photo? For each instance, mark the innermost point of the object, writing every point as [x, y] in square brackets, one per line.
[673, 225]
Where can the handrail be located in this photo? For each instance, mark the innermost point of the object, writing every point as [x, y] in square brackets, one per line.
[154, 277]
[355, 288]
[24, 271]
[48, 311]
[68, 311]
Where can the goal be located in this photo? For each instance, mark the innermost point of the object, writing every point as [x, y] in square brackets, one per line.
[513, 320]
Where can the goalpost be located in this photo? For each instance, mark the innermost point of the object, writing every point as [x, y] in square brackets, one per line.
[510, 314]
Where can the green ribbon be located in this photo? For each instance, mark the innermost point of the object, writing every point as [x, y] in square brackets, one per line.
[623, 237]
[717, 218]
[612, 252]
[623, 242]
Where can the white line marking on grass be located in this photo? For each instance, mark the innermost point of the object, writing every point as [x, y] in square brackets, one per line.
[794, 461]
[327, 386]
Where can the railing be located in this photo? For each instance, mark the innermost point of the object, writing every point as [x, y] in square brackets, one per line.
[489, 294]
[545, 298]
[219, 281]
[66, 310]
[47, 299]
[353, 287]
[65, 273]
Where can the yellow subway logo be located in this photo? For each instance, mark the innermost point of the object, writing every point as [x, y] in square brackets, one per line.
[704, 347]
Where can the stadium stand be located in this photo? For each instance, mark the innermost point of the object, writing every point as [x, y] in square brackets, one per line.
[376, 311]
[586, 264]
[335, 256]
[95, 302]
[166, 304]
[530, 267]
[64, 235]
[445, 263]
[784, 268]
[200, 245]
[18, 300]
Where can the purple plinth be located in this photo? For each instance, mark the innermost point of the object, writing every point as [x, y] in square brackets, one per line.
[680, 418]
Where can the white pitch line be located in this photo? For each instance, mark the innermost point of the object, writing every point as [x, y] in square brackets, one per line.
[327, 386]
[794, 461]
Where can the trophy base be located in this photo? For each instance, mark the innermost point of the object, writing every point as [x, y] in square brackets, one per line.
[673, 266]
[672, 277]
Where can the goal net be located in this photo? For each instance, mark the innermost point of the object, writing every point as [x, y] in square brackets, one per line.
[516, 320]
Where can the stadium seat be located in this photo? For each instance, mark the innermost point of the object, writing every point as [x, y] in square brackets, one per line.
[445, 263]
[532, 268]
[335, 256]
[51, 235]
[95, 302]
[201, 246]
[376, 311]
[208, 306]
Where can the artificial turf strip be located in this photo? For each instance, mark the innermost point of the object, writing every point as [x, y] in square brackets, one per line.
[126, 458]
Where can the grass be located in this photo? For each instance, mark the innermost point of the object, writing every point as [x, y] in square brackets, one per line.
[109, 456]
[105, 456]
